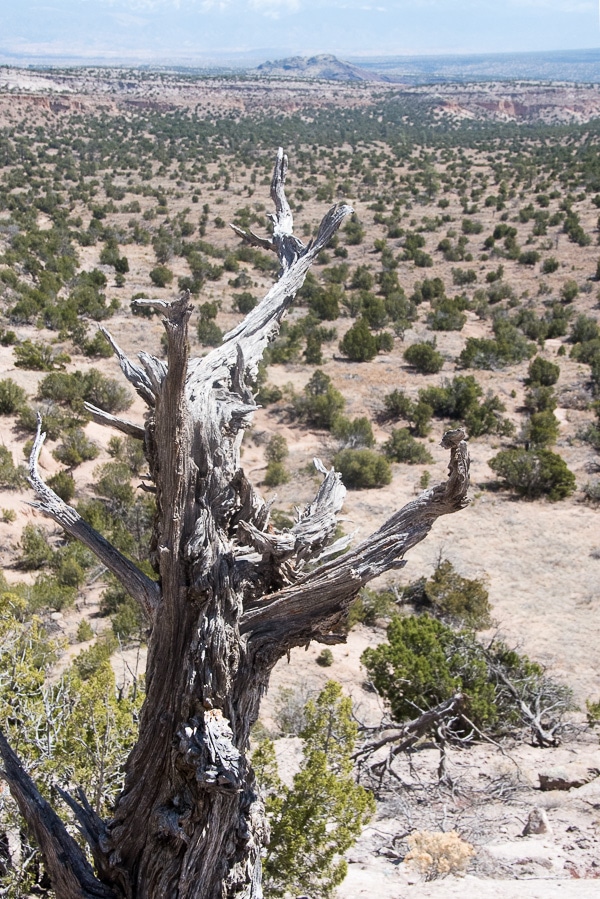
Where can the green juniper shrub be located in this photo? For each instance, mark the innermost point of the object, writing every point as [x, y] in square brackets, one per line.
[38, 356]
[450, 597]
[362, 469]
[540, 399]
[325, 658]
[424, 358]
[553, 323]
[362, 278]
[588, 352]
[461, 277]
[534, 473]
[276, 474]
[161, 276]
[542, 429]
[11, 475]
[89, 661]
[276, 453]
[47, 593]
[209, 333]
[428, 290]
[385, 342]
[244, 302]
[73, 389]
[265, 393]
[354, 231]
[373, 310]
[113, 483]
[459, 400]
[584, 329]
[320, 403]
[12, 397]
[508, 347]
[529, 257]
[63, 485]
[7, 338]
[353, 432]
[397, 405]
[130, 450]
[84, 631]
[425, 662]
[98, 346]
[55, 420]
[371, 606]
[128, 622]
[593, 712]
[75, 448]
[550, 265]
[447, 315]
[313, 353]
[569, 291]
[542, 373]
[358, 343]
[402, 447]
[303, 859]
[36, 551]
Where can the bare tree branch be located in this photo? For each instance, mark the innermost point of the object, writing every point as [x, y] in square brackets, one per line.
[120, 424]
[411, 731]
[134, 374]
[322, 597]
[71, 874]
[137, 584]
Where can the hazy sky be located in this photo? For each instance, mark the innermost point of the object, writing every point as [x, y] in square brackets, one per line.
[146, 30]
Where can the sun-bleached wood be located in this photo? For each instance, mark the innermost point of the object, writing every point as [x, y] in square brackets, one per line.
[232, 596]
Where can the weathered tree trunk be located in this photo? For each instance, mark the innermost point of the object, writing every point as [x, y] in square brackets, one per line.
[232, 596]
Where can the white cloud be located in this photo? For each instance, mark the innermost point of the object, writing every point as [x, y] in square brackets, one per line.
[274, 8]
[220, 5]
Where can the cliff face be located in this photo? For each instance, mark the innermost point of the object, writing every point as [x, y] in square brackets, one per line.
[518, 103]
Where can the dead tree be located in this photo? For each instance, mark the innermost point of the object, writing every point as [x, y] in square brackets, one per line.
[232, 595]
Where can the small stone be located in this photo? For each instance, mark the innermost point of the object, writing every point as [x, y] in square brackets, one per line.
[537, 822]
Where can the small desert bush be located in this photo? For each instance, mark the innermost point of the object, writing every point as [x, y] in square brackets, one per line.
[437, 854]
[325, 658]
[362, 469]
[12, 397]
[534, 473]
[450, 597]
[11, 475]
[402, 447]
[543, 373]
[370, 606]
[424, 358]
[321, 402]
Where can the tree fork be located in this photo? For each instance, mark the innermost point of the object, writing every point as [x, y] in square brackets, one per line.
[232, 596]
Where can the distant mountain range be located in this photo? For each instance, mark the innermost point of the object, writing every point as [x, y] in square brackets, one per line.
[325, 67]
[568, 65]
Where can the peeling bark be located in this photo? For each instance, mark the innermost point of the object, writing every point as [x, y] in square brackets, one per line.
[232, 596]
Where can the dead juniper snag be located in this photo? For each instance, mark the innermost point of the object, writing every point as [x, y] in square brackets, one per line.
[232, 595]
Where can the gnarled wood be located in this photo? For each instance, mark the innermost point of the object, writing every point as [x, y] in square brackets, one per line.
[233, 595]
[70, 872]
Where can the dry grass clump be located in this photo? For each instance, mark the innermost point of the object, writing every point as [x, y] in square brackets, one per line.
[437, 854]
